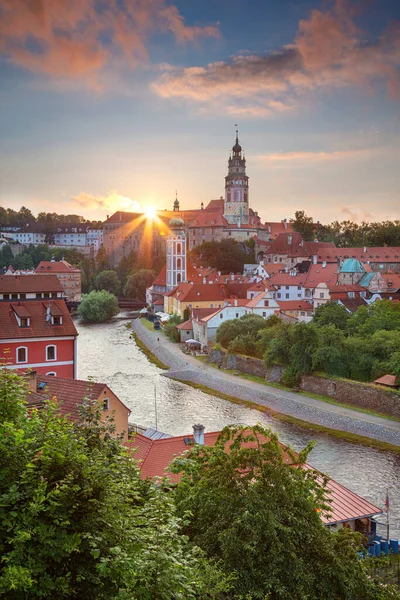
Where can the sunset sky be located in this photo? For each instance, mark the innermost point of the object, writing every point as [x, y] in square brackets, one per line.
[111, 104]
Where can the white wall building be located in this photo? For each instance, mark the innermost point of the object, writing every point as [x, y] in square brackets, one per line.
[95, 239]
[176, 254]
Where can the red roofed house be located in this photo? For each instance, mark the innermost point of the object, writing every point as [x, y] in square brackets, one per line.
[69, 276]
[154, 456]
[300, 309]
[70, 394]
[36, 329]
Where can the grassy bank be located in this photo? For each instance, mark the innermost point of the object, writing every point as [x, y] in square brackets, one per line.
[343, 435]
[148, 353]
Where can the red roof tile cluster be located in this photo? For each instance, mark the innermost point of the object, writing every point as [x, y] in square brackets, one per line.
[381, 254]
[154, 456]
[318, 274]
[29, 284]
[207, 292]
[389, 380]
[39, 327]
[50, 266]
[185, 325]
[69, 393]
[276, 228]
[295, 305]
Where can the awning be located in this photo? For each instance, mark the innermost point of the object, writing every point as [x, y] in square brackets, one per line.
[193, 342]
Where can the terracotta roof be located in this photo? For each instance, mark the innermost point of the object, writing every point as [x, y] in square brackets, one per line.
[295, 305]
[352, 304]
[161, 278]
[207, 218]
[287, 279]
[380, 254]
[185, 325]
[61, 266]
[318, 274]
[38, 325]
[392, 281]
[390, 380]
[200, 313]
[155, 455]
[275, 228]
[26, 284]
[69, 393]
[159, 302]
[281, 244]
[207, 292]
[254, 301]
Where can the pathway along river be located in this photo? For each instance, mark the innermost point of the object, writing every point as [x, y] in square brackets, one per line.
[107, 353]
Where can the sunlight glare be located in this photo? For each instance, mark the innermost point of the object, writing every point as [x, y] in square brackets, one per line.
[150, 212]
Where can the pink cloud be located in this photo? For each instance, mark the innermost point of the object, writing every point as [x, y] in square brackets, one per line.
[329, 51]
[67, 37]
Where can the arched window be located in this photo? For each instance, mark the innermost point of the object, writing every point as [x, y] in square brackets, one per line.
[178, 249]
[52, 374]
[179, 264]
[51, 353]
[22, 354]
[178, 278]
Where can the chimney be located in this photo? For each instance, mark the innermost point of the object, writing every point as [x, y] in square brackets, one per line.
[233, 276]
[219, 273]
[204, 280]
[323, 264]
[365, 249]
[198, 434]
[32, 381]
[290, 239]
[315, 259]
[235, 302]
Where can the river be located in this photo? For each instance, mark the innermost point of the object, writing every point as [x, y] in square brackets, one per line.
[108, 354]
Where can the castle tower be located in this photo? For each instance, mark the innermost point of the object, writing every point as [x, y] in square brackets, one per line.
[176, 254]
[176, 203]
[236, 205]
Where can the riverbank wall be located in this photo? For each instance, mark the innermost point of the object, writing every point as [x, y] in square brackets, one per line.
[353, 393]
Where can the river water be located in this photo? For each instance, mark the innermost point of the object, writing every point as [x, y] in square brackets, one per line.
[108, 354]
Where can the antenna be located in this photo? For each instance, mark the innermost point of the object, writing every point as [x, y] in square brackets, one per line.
[48, 313]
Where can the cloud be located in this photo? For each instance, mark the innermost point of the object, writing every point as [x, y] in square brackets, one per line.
[318, 157]
[328, 51]
[113, 201]
[77, 38]
[356, 213]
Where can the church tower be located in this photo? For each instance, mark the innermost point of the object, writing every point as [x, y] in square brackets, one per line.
[176, 254]
[236, 205]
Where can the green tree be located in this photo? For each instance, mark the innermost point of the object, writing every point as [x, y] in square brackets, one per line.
[304, 225]
[257, 509]
[170, 328]
[228, 256]
[109, 281]
[76, 519]
[137, 283]
[329, 354]
[331, 313]
[126, 266]
[98, 306]
[102, 260]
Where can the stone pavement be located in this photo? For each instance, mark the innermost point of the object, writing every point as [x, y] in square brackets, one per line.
[188, 368]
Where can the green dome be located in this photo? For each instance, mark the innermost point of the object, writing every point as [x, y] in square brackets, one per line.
[176, 222]
[352, 265]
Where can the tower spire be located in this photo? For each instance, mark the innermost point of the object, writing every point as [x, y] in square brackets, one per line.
[176, 203]
[237, 133]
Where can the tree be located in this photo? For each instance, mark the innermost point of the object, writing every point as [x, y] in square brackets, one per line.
[98, 306]
[331, 313]
[109, 281]
[102, 260]
[77, 520]
[228, 256]
[304, 225]
[170, 328]
[137, 283]
[126, 266]
[256, 508]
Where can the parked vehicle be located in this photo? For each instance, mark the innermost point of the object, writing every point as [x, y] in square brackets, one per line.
[156, 324]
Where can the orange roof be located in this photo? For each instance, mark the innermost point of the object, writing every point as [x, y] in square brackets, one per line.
[392, 281]
[207, 292]
[295, 305]
[185, 325]
[380, 254]
[276, 228]
[161, 278]
[287, 279]
[390, 380]
[70, 393]
[318, 274]
[39, 327]
[154, 456]
[61, 266]
[29, 284]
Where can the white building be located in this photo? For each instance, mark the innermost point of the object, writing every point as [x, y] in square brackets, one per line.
[176, 254]
[95, 239]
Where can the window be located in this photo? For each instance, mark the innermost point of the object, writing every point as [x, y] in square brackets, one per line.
[303, 314]
[51, 353]
[178, 278]
[321, 294]
[278, 295]
[264, 314]
[299, 287]
[266, 302]
[221, 316]
[56, 320]
[106, 404]
[178, 263]
[287, 296]
[352, 295]
[22, 354]
[178, 248]
[237, 315]
[24, 322]
[52, 374]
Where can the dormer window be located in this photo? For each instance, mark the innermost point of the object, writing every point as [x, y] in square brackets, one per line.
[56, 320]
[25, 322]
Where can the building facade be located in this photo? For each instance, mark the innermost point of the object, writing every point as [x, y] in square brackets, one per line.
[236, 206]
[69, 276]
[175, 254]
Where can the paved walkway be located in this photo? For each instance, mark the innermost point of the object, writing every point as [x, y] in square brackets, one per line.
[188, 368]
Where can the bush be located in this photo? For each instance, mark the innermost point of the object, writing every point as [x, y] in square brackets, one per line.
[109, 281]
[98, 306]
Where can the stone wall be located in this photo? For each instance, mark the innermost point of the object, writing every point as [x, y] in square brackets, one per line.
[237, 362]
[364, 395]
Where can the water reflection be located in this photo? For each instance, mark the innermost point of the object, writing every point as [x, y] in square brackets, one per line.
[107, 353]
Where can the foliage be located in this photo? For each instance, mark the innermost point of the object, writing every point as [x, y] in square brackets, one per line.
[257, 509]
[186, 314]
[331, 313]
[109, 281]
[170, 328]
[77, 520]
[137, 283]
[304, 225]
[228, 256]
[102, 260]
[98, 306]
[232, 329]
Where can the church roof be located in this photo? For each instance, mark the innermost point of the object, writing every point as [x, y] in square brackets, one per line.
[351, 265]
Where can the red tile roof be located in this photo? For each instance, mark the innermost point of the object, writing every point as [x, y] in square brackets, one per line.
[318, 274]
[381, 254]
[276, 228]
[295, 305]
[390, 380]
[155, 455]
[70, 393]
[161, 278]
[29, 284]
[281, 244]
[287, 279]
[61, 266]
[38, 325]
[185, 325]
[207, 292]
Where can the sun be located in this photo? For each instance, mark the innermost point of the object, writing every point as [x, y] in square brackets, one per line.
[150, 211]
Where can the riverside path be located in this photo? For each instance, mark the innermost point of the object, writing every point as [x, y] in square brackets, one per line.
[187, 368]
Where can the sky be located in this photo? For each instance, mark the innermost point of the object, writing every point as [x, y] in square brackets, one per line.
[112, 105]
